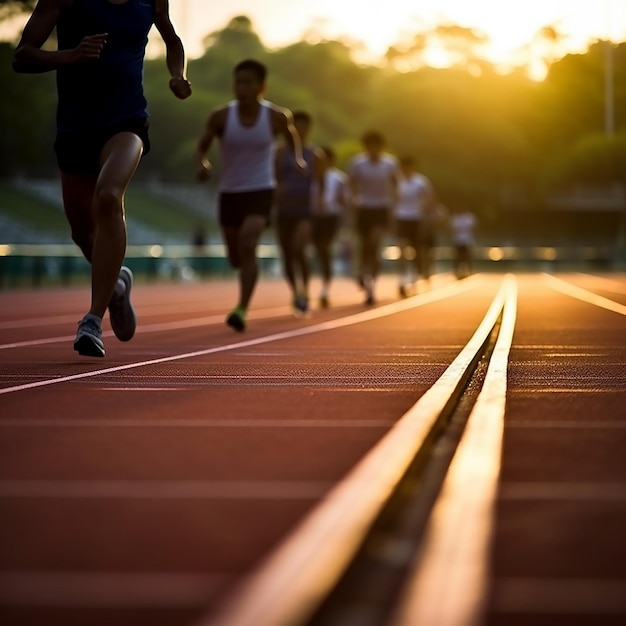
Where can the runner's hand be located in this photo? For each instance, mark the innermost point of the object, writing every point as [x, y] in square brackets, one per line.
[302, 166]
[180, 87]
[204, 172]
[89, 48]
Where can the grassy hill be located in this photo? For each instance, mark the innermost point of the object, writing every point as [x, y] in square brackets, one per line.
[34, 213]
[42, 215]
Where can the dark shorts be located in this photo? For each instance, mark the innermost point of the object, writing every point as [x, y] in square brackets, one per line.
[367, 219]
[287, 225]
[325, 228]
[234, 207]
[409, 230]
[79, 152]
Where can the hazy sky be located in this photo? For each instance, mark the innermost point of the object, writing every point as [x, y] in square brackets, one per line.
[381, 23]
[510, 24]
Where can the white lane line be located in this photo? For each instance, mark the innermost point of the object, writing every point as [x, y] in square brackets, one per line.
[195, 322]
[552, 390]
[218, 319]
[582, 294]
[108, 589]
[569, 596]
[143, 311]
[610, 284]
[289, 583]
[568, 424]
[357, 318]
[564, 491]
[164, 489]
[450, 582]
[191, 423]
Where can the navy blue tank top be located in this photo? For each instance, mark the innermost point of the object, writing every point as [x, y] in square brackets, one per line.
[103, 93]
[295, 188]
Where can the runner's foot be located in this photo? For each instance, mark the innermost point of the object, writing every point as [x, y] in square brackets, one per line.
[237, 319]
[121, 312]
[88, 340]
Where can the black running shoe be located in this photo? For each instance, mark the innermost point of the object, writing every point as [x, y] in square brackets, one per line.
[236, 319]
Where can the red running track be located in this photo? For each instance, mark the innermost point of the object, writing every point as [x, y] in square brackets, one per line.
[140, 488]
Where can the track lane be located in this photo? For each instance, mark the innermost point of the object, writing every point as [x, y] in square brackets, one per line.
[559, 551]
[308, 410]
[342, 388]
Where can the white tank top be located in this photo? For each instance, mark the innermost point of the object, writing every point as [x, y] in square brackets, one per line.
[411, 195]
[335, 190]
[247, 153]
[373, 180]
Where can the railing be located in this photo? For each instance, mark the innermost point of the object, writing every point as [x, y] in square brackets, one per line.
[38, 265]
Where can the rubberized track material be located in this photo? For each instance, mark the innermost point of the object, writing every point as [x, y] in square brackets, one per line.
[163, 484]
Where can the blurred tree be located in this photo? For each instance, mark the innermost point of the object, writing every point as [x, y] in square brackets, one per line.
[8, 8]
[27, 110]
[474, 133]
[594, 159]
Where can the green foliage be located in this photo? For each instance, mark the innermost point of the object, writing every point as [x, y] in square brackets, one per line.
[27, 110]
[473, 134]
[160, 215]
[593, 159]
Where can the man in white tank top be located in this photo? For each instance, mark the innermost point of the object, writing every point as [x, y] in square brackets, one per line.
[415, 199]
[246, 128]
[373, 181]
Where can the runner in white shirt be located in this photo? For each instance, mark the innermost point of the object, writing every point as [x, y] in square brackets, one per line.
[328, 219]
[373, 181]
[247, 128]
[415, 197]
[462, 223]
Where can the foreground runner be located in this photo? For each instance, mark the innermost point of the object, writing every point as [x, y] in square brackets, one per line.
[102, 132]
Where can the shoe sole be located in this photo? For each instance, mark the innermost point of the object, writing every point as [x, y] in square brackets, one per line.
[129, 312]
[86, 346]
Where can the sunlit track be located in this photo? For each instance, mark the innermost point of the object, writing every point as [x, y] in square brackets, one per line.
[197, 477]
[143, 313]
[450, 584]
[584, 295]
[376, 313]
[275, 312]
[295, 580]
[611, 285]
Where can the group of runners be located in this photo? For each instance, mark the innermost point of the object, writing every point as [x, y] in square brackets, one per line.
[102, 134]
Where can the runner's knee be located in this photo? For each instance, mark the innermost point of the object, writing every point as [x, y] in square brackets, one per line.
[108, 203]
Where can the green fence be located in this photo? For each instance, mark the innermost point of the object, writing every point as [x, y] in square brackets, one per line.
[40, 265]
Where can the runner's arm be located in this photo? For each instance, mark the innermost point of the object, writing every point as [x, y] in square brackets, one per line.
[174, 51]
[29, 58]
[213, 128]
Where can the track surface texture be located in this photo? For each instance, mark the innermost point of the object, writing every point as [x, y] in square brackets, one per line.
[141, 489]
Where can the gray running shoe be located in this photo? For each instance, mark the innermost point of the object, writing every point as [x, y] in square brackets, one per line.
[88, 340]
[121, 312]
